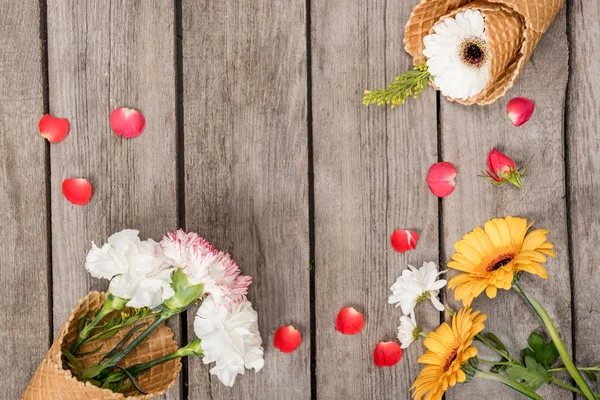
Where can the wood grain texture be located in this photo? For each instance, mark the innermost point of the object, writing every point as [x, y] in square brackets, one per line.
[583, 143]
[468, 134]
[24, 261]
[246, 171]
[104, 55]
[370, 166]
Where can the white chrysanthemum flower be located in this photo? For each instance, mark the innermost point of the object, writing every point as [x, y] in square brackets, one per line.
[458, 56]
[133, 268]
[230, 337]
[202, 263]
[408, 331]
[417, 285]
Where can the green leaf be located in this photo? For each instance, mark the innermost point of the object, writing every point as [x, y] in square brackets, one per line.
[89, 353]
[545, 353]
[83, 321]
[72, 361]
[470, 368]
[533, 375]
[185, 292]
[92, 372]
[591, 375]
[132, 379]
[497, 342]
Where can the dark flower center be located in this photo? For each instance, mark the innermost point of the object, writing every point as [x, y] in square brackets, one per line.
[504, 260]
[473, 52]
[450, 358]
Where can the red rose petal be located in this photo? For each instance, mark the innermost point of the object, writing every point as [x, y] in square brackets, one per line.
[520, 110]
[77, 191]
[287, 339]
[403, 240]
[440, 179]
[53, 129]
[127, 122]
[387, 354]
[349, 321]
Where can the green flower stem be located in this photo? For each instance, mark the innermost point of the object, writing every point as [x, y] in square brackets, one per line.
[122, 354]
[596, 368]
[495, 362]
[565, 385]
[489, 344]
[191, 349]
[560, 346]
[519, 387]
[111, 303]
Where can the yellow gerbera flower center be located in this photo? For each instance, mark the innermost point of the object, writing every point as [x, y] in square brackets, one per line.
[451, 355]
[499, 262]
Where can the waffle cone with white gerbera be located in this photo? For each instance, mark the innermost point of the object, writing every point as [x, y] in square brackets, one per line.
[52, 381]
[472, 51]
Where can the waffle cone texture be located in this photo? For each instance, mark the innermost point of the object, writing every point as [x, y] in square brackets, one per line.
[513, 29]
[52, 382]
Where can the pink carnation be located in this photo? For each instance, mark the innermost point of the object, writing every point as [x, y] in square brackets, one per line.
[202, 263]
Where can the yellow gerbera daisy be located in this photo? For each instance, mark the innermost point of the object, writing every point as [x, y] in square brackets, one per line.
[490, 257]
[448, 349]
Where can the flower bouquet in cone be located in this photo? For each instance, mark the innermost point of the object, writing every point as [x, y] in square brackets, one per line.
[488, 259]
[117, 345]
[470, 50]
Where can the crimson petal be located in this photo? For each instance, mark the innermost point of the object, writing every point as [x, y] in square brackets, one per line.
[349, 321]
[520, 110]
[127, 122]
[77, 191]
[387, 354]
[287, 339]
[403, 240]
[53, 129]
[441, 179]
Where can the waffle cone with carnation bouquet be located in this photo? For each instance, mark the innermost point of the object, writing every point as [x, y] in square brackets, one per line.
[116, 345]
[470, 50]
[488, 259]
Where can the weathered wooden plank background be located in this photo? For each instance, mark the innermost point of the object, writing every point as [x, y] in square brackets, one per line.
[257, 139]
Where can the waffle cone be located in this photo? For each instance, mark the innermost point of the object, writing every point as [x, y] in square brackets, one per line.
[513, 28]
[51, 381]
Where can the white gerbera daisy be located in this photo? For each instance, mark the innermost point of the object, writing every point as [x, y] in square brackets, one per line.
[417, 285]
[458, 56]
[408, 331]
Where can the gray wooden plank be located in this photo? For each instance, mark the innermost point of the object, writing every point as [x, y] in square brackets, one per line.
[468, 134]
[246, 171]
[24, 265]
[370, 167]
[583, 143]
[102, 56]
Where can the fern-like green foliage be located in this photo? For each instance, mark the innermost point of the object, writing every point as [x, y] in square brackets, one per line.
[411, 83]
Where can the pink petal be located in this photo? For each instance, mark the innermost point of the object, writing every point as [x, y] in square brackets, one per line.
[77, 191]
[287, 339]
[403, 240]
[349, 321]
[440, 179]
[387, 354]
[53, 129]
[520, 110]
[127, 122]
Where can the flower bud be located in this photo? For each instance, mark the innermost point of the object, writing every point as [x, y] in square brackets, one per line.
[502, 169]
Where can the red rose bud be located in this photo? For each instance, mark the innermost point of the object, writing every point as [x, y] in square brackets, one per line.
[349, 321]
[502, 169]
[519, 110]
[77, 191]
[287, 339]
[53, 129]
[387, 354]
[127, 122]
[403, 240]
[440, 179]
